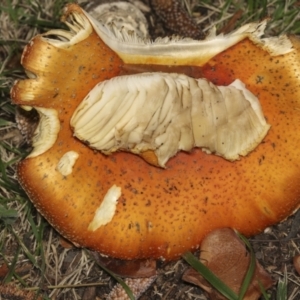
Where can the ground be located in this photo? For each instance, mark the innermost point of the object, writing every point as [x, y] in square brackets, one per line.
[33, 256]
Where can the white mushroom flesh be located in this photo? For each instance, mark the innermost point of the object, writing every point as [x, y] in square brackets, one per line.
[166, 113]
[46, 132]
[106, 211]
[124, 15]
[133, 49]
[80, 29]
[67, 162]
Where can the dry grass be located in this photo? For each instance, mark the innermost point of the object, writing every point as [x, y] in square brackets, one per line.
[32, 256]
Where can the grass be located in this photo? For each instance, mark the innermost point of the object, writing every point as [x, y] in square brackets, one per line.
[29, 249]
[284, 15]
[210, 277]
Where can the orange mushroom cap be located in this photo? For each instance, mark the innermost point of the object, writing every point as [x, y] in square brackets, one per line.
[158, 212]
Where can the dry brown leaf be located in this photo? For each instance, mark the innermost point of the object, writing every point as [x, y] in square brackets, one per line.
[3, 270]
[296, 262]
[227, 257]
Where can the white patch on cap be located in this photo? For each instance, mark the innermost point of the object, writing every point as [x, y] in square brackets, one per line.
[46, 132]
[67, 162]
[107, 208]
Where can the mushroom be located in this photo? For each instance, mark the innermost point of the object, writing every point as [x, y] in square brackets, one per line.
[156, 212]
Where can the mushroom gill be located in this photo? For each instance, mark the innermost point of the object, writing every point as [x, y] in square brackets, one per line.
[165, 113]
[162, 212]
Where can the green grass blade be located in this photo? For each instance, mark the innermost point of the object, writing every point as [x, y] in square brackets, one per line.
[251, 269]
[265, 296]
[4, 122]
[8, 216]
[282, 287]
[12, 267]
[26, 251]
[43, 24]
[209, 276]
